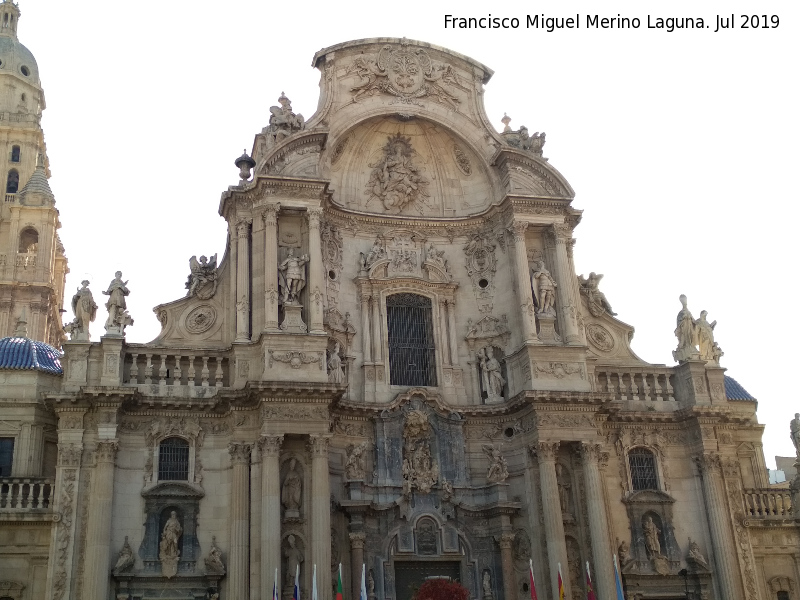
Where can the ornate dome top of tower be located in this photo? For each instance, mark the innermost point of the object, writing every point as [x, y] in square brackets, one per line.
[14, 57]
[37, 191]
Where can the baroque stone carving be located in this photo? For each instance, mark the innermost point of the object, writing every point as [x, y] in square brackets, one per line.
[522, 139]
[296, 359]
[200, 319]
[420, 470]
[436, 265]
[283, 122]
[794, 432]
[292, 277]
[544, 290]
[202, 280]
[564, 486]
[599, 337]
[521, 546]
[488, 331]
[292, 491]
[462, 161]
[481, 266]
[85, 310]
[406, 73]
[558, 370]
[118, 317]
[498, 467]
[335, 372]
[294, 560]
[125, 560]
[692, 333]
[64, 534]
[354, 466]
[169, 550]
[492, 380]
[340, 327]
[213, 561]
[332, 249]
[598, 304]
[695, 556]
[395, 180]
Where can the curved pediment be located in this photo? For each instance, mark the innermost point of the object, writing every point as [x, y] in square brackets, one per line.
[649, 497]
[174, 489]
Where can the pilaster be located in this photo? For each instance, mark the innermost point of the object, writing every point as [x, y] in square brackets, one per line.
[523, 280]
[270, 216]
[239, 556]
[568, 305]
[592, 456]
[320, 508]
[243, 280]
[315, 272]
[98, 530]
[270, 512]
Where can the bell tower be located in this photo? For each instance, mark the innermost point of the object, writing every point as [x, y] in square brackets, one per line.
[33, 267]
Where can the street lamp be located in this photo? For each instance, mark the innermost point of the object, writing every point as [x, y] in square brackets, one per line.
[685, 574]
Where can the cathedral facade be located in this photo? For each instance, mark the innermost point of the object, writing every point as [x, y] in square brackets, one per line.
[394, 364]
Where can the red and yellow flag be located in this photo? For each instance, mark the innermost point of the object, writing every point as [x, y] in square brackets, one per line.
[560, 584]
[339, 593]
[589, 589]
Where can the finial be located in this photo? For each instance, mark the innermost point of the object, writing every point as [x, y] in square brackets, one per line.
[505, 121]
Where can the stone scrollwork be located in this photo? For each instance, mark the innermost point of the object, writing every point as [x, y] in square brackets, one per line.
[488, 331]
[462, 161]
[354, 466]
[200, 319]
[481, 266]
[213, 561]
[558, 370]
[396, 180]
[436, 265]
[295, 358]
[125, 560]
[332, 249]
[600, 337]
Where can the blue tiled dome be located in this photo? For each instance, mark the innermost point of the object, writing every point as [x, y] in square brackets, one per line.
[24, 353]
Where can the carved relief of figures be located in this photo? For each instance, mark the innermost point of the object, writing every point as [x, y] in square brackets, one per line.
[85, 310]
[498, 467]
[544, 289]
[292, 276]
[125, 561]
[794, 429]
[651, 541]
[335, 372]
[695, 556]
[492, 380]
[395, 180]
[376, 253]
[522, 139]
[202, 280]
[522, 546]
[169, 550]
[420, 470]
[598, 304]
[294, 559]
[118, 317]
[436, 264]
[692, 333]
[283, 122]
[564, 486]
[292, 491]
[354, 466]
[213, 561]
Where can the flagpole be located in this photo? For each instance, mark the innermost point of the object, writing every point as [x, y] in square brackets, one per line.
[314, 584]
[363, 582]
[533, 581]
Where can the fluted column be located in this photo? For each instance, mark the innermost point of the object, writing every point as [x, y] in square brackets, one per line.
[320, 511]
[377, 344]
[593, 455]
[357, 541]
[725, 559]
[568, 306]
[270, 512]
[509, 587]
[523, 279]
[255, 522]
[451, 320]
[270, 216]
[444, 338]
[98, 529]
[239, 555]
[546, 453]
[243, 280]
[315, 272]
[366, 341]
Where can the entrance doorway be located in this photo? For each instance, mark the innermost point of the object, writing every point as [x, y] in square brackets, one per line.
[408, 576]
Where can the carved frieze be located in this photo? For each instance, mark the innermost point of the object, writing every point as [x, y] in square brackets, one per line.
[481, 266]
[293, 412]
[488, 331]
[558, 370]
[295, 358]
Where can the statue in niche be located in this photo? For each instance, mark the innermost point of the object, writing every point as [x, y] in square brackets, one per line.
[371, 585]
[118, 317]
[447, 491]
[651, 542]
[294, 558]
[214, 559]
[563, 490]
[354, 465]
[794, 429]
[498, 467]
[202, 280]
[169, 550]
[85, 310]
[545, 290]
[491, 375]
[283, 122]
[292, 274]
[487, 585]
[395, 180]
[695, 555]
[598, 303]
[335, 372]
[291, 493]
[125, 560]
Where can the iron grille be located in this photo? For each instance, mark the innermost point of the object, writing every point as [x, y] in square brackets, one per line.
[643, 469]
[173, 460]
[412, 354]
[6, 456]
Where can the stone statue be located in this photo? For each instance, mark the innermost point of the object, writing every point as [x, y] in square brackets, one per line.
[624, 552]
[335, 372]
[202, 280]
[354, 465]
[291, 493]
[794, 428]
[487, 585]
[705, 336]
[544, 289]
[598, 304]
[695, 555]
[283, 122]
[118, 317]
[522, 139]
[292, 274]
[125, 560]
[491, 375]
[370, 584]
[498, 467]
[169, 550]
[447, 491]
[294, 558]
[563, 490]
[651, 543]
[214, 559]
[85, 309]
[685, 332]
[376, 253]
[395, 180]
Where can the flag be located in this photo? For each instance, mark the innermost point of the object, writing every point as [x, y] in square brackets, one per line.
[275, 586]
[589, 590]
[296, 595]
[617, 580]
[339, 593]
[560, 584]
[363, 581]
[533, 584]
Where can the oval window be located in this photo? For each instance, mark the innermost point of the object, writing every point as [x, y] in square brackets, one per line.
[25, 70]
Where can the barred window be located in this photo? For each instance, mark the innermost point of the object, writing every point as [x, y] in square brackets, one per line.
[642, 463]
[6, 456]
[412, 353]
[173, 460]
[783, 595]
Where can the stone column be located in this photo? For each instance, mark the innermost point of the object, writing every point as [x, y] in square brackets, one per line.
[255, 522]
[546, 453]
[376, 329]
[320, 512]
[316, 284]
[243, 280]
[98, 529]
[270, 512]
[523, 278]
[239, 555]
[567, 305]
[451, 319]
[357, 541]
[593, 455]
[444, 337]
[725, 557]
[366, 340]
[270, 215]
[509, 587]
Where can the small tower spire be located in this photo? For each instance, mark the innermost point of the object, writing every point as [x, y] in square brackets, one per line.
[9, 17]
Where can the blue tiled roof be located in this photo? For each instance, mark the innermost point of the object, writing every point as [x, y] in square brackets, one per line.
[734, 391]
[24, 353]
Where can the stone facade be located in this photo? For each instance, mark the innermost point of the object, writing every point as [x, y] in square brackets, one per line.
[395, 364]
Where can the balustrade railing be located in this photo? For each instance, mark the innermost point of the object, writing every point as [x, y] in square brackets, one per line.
[25, 493]
[636, 384]
[11, 198]
[767, 503]
[165, 368]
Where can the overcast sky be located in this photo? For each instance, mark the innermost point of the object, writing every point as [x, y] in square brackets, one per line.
[681, 146]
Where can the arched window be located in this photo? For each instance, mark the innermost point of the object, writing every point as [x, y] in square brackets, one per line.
[12, 183]
[173, 460]
[15, 153]
[642, 464]
[412, 353]
[28, 240]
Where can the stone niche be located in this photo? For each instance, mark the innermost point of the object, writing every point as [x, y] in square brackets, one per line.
[649, 508]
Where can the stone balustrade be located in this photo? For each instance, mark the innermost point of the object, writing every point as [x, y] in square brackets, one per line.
[651, 384]
[11, 198]
[767, 503]
[22, 494]
[162, 367]
[26, 259]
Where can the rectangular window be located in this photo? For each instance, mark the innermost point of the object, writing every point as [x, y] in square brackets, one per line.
[642, 463]
[412, 353]
[6, 456]
[173, 460]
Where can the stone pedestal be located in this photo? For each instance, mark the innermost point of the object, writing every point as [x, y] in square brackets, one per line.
[547, 328]
[293, 319]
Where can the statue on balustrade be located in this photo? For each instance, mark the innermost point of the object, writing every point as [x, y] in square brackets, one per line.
[202, 280]
[598, 303]
[85, 309]
[292, 275]
[118, 317]
[794, 427]
[686, 334]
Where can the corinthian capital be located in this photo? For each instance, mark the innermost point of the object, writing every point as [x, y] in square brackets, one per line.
[314, 215]
[561, 233]
[240, 452]
[270, 445]
[505, 540]
[318, 444]
[243, 226]
[270, 213]
[517, 230]
[545, 451]
[106, 451]
[708, 462]
[357, 540]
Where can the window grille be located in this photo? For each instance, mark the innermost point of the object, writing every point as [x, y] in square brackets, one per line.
[412, 353]
[173, 460]
[6, 456]
[643, 469]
